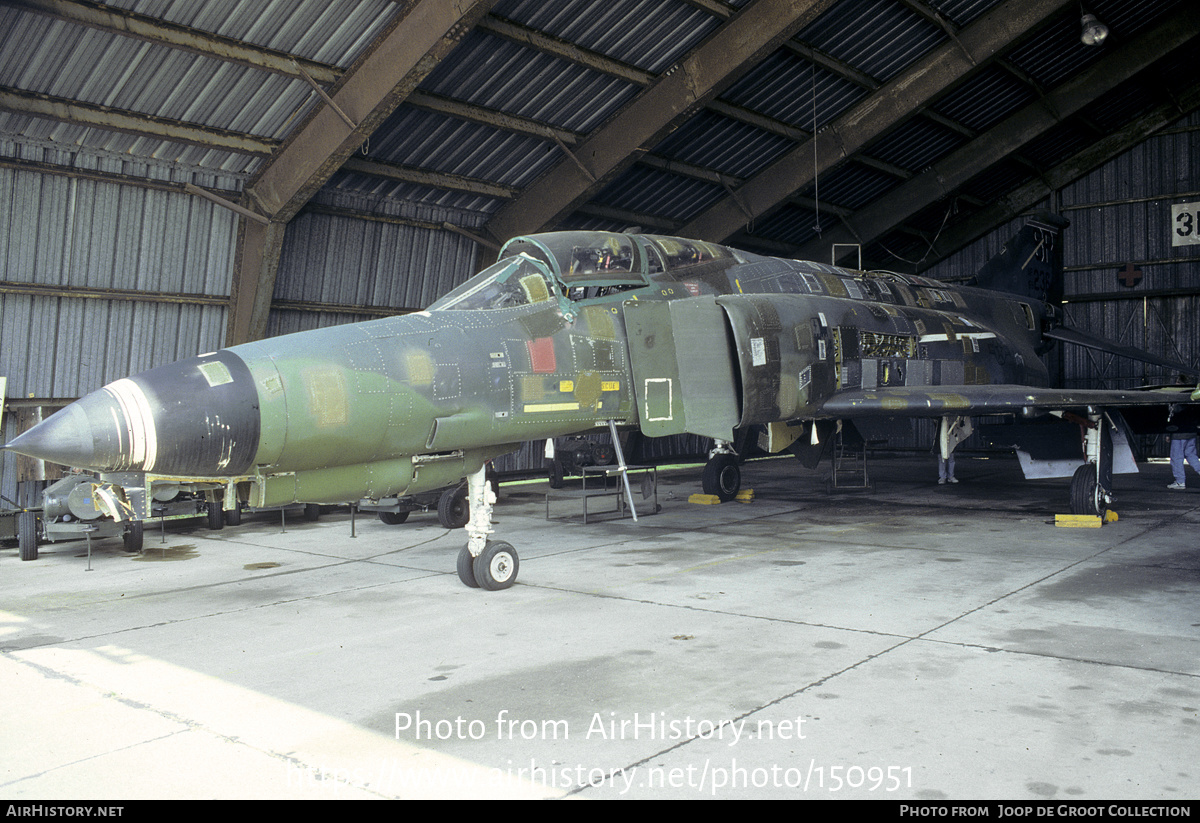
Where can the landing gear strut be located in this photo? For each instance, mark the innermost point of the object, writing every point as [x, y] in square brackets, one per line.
[482, 563]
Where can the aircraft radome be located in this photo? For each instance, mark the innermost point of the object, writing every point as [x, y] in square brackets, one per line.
[576, 330]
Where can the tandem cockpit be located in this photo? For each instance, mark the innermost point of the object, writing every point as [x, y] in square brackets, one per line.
[572, 266]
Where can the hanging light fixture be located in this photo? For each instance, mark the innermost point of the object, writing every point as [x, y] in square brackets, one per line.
[1094, 31]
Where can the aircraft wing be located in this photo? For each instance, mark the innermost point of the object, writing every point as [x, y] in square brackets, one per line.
[935, 401]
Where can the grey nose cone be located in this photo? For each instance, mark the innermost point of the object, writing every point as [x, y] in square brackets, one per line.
[79, 435]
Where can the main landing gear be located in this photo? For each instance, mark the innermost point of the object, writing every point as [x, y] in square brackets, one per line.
[722, 475]
[482, 563]
[1091, 485]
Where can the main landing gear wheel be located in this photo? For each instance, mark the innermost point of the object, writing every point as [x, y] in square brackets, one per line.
[27, 529]
[393, 518]
[132, 537]
[453, 511]
[1087, 495]
[216, 515]
[722, 476]
[554, 470]
[496, 567]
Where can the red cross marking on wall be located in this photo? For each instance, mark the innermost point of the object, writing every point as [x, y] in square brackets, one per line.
[1129, 276]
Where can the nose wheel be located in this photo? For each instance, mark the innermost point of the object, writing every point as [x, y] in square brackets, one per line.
[494, 569]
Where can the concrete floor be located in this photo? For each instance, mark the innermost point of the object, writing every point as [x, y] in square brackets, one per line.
[919, 642]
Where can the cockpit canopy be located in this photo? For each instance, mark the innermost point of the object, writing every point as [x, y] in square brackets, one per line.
[577, 265]
[585, 257]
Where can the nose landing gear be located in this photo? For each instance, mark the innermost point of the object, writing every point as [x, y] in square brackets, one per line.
[482, 563]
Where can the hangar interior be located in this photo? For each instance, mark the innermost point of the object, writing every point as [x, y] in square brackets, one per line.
[179, 176]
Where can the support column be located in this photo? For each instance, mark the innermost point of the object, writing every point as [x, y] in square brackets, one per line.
[258, 250]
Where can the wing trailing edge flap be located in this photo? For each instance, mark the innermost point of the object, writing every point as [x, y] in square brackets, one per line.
[1027, 401]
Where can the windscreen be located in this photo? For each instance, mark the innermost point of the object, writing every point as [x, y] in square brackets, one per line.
[513, 281]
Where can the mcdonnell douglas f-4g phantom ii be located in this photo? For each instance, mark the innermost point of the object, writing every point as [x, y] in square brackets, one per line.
[575, 330]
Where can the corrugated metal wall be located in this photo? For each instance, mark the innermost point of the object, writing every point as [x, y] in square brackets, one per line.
[395, 260]
[59, 231]
[1120, 215]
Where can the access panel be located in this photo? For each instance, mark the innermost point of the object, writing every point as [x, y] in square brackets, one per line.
[684, 372]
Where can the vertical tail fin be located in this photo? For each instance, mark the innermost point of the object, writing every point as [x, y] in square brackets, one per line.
[1031, 262]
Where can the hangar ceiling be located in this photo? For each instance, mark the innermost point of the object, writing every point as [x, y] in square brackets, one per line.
[907, 127]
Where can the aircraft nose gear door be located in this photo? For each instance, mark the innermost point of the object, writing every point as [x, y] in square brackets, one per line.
[685, 376]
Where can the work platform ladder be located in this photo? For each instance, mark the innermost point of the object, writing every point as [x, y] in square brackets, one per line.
[623, 492]
[850, 464]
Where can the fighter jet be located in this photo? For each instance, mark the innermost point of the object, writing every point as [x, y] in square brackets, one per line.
[574, 331]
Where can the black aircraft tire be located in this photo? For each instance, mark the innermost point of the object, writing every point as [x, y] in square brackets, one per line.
[453, 509]
[393, 518]
[312, 512]
[1085, 497]
[497, 566]
[133, 536]
[27, 535]
[466, 568]
[722, 477]
[216, 515]
[233, 517]
[555, 470]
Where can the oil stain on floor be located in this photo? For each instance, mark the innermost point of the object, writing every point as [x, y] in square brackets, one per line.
[183, 552]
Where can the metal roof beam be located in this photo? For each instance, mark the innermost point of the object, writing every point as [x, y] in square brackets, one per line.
[714, 7]
[601, 63]
[490, 117]
[751, 34]
[1003, 140]
[402, 56]
[142, 125]
[151, 30]
[410, 47]
[890, 105]
[547, 44]
[1017, 202]
[103, 176]
[433, 179]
